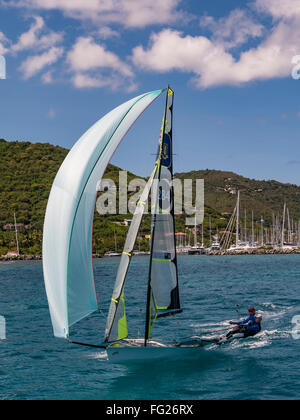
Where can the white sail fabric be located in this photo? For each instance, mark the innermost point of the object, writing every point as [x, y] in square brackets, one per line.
[67, 241]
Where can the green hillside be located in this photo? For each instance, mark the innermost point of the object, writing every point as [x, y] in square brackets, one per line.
[27, 174]
[28, 171]
[263, 197]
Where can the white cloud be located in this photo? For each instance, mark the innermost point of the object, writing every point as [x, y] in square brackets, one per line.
[279, 8]
[210, 60]
[170, 50]
[87, 55]
[234, 30]
[130, 13]
[81, 80]
[88, 60]
[51, 113]
[105, 33]
[4, 44]
[86, 81]
[47, 78]
[34, 64]
[37, 37]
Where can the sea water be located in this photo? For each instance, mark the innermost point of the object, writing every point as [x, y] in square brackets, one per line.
[34, 365]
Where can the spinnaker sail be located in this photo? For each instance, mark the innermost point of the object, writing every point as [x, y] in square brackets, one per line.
[67, 241]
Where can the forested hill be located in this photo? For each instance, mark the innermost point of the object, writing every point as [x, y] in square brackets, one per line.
[28, 170]
[27, 173]
[263, 197]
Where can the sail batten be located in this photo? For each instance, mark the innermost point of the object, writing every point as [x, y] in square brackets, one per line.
[67, 242]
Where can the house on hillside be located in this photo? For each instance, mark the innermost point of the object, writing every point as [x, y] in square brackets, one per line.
[12, 254]
[10, 227]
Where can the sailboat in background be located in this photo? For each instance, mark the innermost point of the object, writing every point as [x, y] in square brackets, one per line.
[114, 253]
[197, 249]
[239, 245]
[67, 243]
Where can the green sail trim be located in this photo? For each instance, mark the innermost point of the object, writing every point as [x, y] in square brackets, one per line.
[153, 313]
[122, 324]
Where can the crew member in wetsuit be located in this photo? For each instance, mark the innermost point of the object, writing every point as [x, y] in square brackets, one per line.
[249, 327]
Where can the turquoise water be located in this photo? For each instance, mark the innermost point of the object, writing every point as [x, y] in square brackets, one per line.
[34, 365]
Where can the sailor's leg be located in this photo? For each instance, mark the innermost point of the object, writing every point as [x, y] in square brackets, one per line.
[250, 334]
[236, 330]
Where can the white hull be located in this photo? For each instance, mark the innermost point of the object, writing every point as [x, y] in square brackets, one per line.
[133, 351]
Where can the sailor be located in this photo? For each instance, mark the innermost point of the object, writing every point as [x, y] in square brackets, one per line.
[249, 327]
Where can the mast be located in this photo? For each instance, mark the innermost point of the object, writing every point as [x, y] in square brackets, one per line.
[238, 219]
[245, 225]
[253, 239]
[262, 230]
[16, 230]
[283, 225]
[273, 230]
[195, 238]
[289, 226]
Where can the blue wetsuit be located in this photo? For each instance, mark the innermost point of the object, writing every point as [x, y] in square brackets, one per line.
[249, 327]
[252, 327]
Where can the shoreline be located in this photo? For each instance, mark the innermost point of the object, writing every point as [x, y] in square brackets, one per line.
[3, 258]
[211, 253]
[257, 252]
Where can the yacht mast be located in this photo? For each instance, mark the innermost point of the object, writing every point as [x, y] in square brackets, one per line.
[195, 238]
[253, 239]
[262, 230]
[16, 230]
[283, 225]
[238, 220]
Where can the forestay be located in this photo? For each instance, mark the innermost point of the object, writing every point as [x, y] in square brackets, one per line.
[67, 242]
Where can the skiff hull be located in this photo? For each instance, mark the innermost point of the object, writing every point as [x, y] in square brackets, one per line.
[136, 352]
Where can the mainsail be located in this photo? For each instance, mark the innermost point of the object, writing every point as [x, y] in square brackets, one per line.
[163, 291]
[67, 241]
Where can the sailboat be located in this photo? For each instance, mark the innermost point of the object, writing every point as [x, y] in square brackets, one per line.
[114, 253]
[197, 249]
[15, 253]
[67, 242]
[239, 244]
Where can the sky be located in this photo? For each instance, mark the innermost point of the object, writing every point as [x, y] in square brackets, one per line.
[234, 66]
